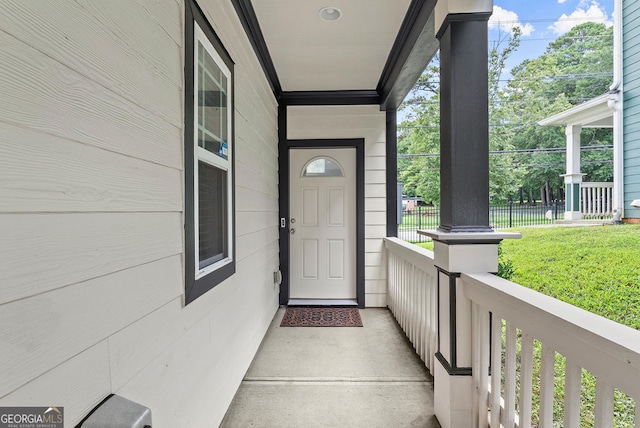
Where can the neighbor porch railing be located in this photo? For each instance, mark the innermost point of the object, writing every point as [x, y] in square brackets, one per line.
[527, 326]
[412, 295]
[596, 199]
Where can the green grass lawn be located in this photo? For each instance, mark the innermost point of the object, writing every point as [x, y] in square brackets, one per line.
[595, 268]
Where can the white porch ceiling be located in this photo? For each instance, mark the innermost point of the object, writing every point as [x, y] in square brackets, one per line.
[312, 55]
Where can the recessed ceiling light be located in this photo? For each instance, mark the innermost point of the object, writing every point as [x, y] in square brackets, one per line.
[330, 14]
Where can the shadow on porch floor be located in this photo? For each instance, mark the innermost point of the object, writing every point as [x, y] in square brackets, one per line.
[330, 377]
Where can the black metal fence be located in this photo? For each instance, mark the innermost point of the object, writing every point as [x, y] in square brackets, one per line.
[503, 216]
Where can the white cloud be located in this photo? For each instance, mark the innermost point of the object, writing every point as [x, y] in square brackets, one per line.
[506, 20]
[561, 1]
[586, 12]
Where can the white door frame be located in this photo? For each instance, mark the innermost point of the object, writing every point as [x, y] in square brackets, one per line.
[358, 144]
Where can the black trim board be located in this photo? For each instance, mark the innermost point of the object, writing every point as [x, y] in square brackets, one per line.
[462, 17]
[249, 20]
[450, 288]
[412, 50]
[328, 98]
[391, 159]
[283, 185]
[452, 370]
[283, 202]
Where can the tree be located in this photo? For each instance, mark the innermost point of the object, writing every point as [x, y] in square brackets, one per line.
[420, 135]
[574, 68]
[504, 177]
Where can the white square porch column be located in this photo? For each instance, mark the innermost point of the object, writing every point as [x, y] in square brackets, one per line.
[573, 177]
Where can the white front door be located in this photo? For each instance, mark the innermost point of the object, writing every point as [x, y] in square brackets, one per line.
[322, 223]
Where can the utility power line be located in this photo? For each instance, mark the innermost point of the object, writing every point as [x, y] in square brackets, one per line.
[493, 125]
[538, 39]
[572, 76]
[418, 102]
[517, 151]
[565, 19]
[532, 165]
[540, 165]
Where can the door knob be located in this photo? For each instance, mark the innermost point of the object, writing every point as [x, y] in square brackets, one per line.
[293, 231]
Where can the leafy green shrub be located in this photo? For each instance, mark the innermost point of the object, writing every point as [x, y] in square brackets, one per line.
[506, 269]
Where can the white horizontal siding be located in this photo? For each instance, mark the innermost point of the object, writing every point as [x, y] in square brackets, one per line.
[248, 222]
[43, 252]
[42, 94]
[377, 273]
[64, 385]
[375, 176]
[57, 325]
[40, 172]
[375, 204]
[373, 259]
[131, 348]
[198, 371]
[374, 218]
[91, 213]
[368, 122]
[127, 53]
[376, 286]
[375, 190]
[374, 245]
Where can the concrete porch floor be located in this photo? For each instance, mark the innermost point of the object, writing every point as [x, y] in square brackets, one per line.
[335, 377]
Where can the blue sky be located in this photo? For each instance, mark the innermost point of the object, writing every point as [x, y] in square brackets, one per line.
[542, 21]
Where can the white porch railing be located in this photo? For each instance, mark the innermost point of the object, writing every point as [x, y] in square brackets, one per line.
[412, 295]
[596, 199]
[608, 350]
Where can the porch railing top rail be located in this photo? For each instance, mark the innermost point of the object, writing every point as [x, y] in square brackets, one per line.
[596, 184]
[418, 256]
[601, 346]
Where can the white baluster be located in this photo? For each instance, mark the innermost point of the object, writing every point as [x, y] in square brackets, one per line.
[526, 380]
[510, 376]
[496, 368]
[604, 405]
[572, 381]
[546, 386]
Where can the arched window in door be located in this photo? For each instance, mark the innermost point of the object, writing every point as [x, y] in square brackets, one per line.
[322, 167]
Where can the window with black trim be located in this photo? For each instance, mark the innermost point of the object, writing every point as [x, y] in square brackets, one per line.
[209, 172]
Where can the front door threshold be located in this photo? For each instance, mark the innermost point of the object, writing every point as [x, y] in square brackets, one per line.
[323, 302]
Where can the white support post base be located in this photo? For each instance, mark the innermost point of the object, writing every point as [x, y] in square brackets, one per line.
[572, 215]
[453, 398]
[455, 253]
[573, 195]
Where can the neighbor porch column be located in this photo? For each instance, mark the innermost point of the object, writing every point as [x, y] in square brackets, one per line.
[464, 241]
[573, 177]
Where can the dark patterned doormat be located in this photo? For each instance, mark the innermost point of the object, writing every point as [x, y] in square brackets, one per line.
[297, 316]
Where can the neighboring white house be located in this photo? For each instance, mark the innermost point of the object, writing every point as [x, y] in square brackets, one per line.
[616, 109]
